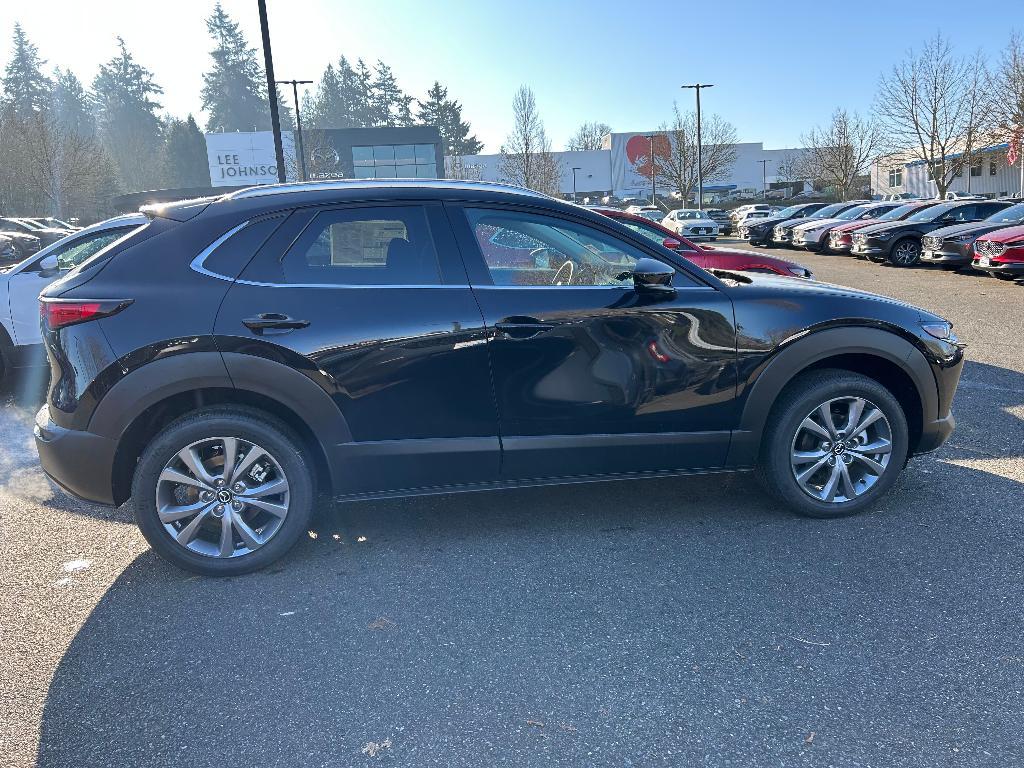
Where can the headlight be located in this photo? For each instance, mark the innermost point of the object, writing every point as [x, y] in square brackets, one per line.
[939, 330]
[883, 236]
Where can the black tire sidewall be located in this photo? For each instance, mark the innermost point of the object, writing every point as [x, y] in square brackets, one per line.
[897, 244]
[806, 394]
[272, 437]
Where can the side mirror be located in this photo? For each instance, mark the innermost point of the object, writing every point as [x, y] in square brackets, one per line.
[652, 275]
[671, 243]
[49, 266]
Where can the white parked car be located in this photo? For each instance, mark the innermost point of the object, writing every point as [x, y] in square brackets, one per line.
[692, 224]
[21, 345]
[737, 214]
[750, 216]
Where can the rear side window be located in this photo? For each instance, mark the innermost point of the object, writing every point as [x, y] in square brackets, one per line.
[230, 257]
[386, 245]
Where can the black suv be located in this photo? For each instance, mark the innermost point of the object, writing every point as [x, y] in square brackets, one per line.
[899, 242]
[233, 358]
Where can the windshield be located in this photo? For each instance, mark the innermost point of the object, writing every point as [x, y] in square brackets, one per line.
[829, 211]
[933, 212]
[1012, 215]
[852, 213]
[653, 234]
[793, 210]
[899, 212]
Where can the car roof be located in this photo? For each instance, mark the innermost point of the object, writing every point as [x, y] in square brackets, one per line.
[348, 185]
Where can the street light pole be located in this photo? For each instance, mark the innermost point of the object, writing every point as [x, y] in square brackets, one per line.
[700, 165]
[268, 65]
[574, 184]
[764, 179]
[653, 191]
[298, 121]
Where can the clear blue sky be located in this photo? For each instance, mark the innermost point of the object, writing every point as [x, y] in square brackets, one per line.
[778, 67]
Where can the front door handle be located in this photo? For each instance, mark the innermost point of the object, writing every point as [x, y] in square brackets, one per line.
[522, 327]
[273, 321]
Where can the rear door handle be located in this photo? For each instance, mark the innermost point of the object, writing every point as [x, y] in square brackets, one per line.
[521, 327]
[273, 321]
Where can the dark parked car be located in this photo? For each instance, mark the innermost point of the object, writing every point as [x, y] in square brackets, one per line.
[46, 235]
[19, 235]
[226, 362]
[721, 217]
[9, 252]
[759, 231]
[899, 242]
[951, 247]
[782, 232]
[840, 237]
[707, 256]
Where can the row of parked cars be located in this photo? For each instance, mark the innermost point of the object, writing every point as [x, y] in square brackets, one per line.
[22, 236]
[986, 235]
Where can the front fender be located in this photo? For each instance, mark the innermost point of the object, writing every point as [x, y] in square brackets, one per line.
[804, 352]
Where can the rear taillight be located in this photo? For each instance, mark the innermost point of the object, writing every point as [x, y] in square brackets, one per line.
[59, 313]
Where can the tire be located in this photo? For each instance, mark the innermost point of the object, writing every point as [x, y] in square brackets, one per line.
[1004, 276]
[905, 252]
[284, 457]
[785, 450]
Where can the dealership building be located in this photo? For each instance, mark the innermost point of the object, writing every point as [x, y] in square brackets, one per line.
[987, 173]
[246, 158]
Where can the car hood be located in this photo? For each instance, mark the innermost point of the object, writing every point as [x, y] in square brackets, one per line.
[696, 222]
[862, 224]
[803, 287]
[1007, 235]
[816, 223]
[886, 226]
[970, 227]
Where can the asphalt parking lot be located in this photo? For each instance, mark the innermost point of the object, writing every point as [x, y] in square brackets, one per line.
[675, 622]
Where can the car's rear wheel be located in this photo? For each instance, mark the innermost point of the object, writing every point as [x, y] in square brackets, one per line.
[905, 253]
[223, 491]
[835, 442]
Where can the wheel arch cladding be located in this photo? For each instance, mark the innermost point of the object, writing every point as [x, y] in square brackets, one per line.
[879, 354]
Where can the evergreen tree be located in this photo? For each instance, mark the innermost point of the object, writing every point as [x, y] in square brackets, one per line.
[388, 103]
[235, 89]
[361, 89]
[25, 88]
[446, 114]
[185, 162]
[70, 104]
[123, 92]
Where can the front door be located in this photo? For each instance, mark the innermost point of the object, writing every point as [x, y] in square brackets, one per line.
[371, 302]
[592, 376]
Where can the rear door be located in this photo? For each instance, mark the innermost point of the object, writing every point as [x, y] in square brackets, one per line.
[591, 376]
[372, 303]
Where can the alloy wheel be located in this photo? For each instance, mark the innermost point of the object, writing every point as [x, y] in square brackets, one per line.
[906, 253]
[222, 497]
[841, 449]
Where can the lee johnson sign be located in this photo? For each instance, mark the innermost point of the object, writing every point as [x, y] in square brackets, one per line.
[238, 159]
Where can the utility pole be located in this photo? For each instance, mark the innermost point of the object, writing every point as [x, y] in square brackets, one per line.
[268, 64]
[764, 179]
[298, 121]
[700, 166]
[574, 184]
[653, 192]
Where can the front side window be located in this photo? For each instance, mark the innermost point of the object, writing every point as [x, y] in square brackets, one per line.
[73, 254]
[387, 245]
[530, 250]
[653, 235]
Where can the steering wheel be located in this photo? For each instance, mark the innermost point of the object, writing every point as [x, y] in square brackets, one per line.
[567, 266]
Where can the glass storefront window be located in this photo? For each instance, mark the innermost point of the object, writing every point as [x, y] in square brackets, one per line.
[362, 156]
[405, 154]
[426, 171]
[406, 171]
[364, 171]
[425, 154]
[384, 154]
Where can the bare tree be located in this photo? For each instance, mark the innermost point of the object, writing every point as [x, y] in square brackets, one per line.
[840, 153]
[588, 136]
[1007, 85]
[675, 155]
[526, 156]
[933, 106]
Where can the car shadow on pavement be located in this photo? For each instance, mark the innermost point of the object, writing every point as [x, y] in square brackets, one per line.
[679, 621]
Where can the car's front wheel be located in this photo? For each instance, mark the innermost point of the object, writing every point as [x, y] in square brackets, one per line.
[223, 491]
[835, 443]
[905, 253]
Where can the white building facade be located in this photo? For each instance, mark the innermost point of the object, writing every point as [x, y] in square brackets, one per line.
[989, 175]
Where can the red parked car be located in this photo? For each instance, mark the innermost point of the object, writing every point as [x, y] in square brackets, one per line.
[708, 256]
[840, 238]
[1001, 253]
